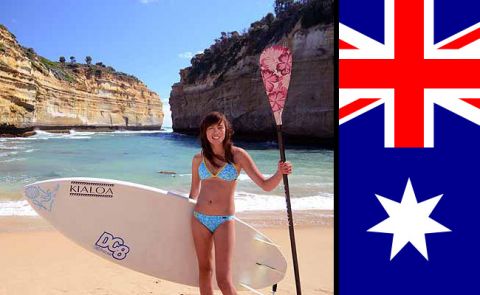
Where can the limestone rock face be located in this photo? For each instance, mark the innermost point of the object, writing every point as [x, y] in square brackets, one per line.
[240, 94]
[37, 92]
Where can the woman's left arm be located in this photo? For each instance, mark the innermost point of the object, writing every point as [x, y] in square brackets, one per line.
[247, 163]
[195, 185]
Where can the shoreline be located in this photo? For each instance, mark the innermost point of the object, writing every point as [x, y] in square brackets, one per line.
[291, 140]
[259, 219]
[11, 131]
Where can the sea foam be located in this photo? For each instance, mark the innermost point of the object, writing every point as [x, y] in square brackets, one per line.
[244, 202]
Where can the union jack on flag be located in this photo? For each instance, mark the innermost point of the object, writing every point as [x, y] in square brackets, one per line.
[409, 142]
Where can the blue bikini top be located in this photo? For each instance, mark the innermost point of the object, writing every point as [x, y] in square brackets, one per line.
[228, 172]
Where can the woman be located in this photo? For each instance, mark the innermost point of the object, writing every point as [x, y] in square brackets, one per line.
[214, 173]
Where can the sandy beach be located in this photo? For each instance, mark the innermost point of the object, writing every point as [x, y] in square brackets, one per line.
[36, 259]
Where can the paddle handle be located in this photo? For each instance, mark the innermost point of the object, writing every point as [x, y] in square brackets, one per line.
[289, 213]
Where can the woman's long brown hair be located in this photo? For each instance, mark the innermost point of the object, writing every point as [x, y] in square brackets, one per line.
[215, 118]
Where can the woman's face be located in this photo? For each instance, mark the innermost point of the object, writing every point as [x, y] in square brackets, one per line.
[216, 133]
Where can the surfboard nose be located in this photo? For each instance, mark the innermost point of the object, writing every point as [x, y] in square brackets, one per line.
[41, 198]
[30, 191]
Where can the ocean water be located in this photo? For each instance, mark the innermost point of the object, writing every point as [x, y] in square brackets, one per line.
[139, 156]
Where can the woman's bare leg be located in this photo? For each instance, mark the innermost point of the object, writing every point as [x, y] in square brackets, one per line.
[203, 241]
[224, 238]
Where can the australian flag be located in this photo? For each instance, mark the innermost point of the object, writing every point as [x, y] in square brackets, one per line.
[409, 147]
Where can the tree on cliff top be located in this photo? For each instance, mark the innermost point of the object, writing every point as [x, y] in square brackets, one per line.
[72, 59]
[88, 60]
[30, 52]
[62, 60]
[269, 18]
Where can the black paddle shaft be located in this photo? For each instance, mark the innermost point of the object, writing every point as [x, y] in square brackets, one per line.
[289, 212]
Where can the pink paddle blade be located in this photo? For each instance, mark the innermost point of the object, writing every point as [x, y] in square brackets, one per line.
[276, 69]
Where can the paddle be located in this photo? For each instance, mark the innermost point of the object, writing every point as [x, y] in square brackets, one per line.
[276, 66]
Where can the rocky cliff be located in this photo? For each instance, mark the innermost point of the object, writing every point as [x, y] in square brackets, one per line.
[36, 92]
[234, 85]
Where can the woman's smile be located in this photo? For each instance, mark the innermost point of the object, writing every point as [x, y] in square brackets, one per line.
[216, 133]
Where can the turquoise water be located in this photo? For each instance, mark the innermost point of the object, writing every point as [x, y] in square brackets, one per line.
[139, 156]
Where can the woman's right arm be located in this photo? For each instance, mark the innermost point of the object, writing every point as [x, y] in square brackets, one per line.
[195, 186]
[267, 184]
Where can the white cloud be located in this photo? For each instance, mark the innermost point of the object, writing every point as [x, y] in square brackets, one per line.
[188, 54]
[185, 55]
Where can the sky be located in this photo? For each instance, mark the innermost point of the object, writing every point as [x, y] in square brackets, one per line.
[150, 39]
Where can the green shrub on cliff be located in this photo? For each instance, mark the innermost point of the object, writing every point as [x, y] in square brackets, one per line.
[98, 73]
[125, 76]
[227, 50]
[317, 12]
[30, 52]
[57, 68]
[48, 63]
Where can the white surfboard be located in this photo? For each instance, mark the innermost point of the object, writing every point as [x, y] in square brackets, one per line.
[147, 229]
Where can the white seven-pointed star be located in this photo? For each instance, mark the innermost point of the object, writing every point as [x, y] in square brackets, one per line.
[409, 221]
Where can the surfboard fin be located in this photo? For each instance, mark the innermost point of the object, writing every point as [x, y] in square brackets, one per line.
[250, 289]
[274, 289]
[269, 267]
